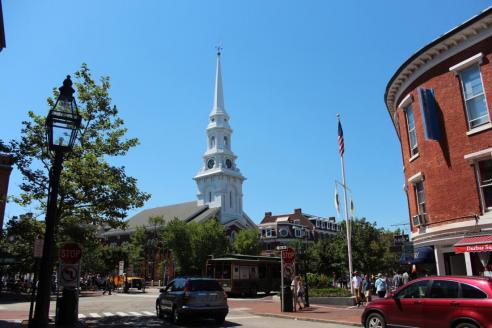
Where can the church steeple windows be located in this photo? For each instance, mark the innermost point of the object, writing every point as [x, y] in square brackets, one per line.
[212, 142]
[226, 144]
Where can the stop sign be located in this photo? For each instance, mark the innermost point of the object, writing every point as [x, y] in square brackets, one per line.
[288, 255]
[70, 253]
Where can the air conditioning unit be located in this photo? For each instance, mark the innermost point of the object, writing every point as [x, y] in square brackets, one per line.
[419, 220]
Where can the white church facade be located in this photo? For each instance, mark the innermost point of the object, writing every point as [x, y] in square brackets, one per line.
[219, 181]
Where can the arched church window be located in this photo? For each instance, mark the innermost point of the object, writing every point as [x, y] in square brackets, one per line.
[226, 145]
[230, 199]
[210, 196]
[212, 142]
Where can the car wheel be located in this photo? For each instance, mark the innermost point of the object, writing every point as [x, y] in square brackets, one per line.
[466, 325]
[375, 320]
[158, 311]
[220, 319]
[177, 319]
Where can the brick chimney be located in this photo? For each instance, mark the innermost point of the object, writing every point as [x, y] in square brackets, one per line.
[298, 211]
[268, 214]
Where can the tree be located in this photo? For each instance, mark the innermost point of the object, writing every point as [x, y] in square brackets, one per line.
[92, 191]
[18, 241]
[193, 243]
[247, 242]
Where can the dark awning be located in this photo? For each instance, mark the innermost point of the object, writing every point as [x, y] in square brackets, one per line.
[474, 244]
[423, 255]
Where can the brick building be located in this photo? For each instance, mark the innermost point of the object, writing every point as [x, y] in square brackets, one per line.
[440, 103]
[282, 230]
[6, 162]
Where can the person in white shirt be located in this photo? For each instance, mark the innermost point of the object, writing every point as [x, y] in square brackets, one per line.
[357, 284]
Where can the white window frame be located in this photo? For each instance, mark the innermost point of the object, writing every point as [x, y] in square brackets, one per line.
[268, 232]
[297, 221]
[477, 65]
[418, 201]
[317, 223]
[480, 186]
[414, 150]
[298, 233]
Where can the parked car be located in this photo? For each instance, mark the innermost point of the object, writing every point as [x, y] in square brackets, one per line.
[440, 301]
[192, 298]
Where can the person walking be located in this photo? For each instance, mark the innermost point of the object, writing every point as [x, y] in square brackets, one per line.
[367, 286]
[405, 277]
[380, 285]
[357, 284]
[107, 285]
[294, 287]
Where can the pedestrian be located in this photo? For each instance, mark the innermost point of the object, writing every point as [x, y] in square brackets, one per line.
[357, 284]
[107, 285]
[294, 287]
[397, 280]
[405, 277]
[380, 285]
[301, 292]
[367, 288]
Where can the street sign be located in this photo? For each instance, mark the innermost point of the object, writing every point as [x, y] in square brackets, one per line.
[289, 271]
[69, 275]
[121, 267]
[70, 253]
[38, 248]
[288, 255]
[281, 248]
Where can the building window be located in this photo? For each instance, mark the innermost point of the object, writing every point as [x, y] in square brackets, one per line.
[485, 183]
[317, 223]
[297, 221]
[209, 196]
[412, 133]
[298, 233]
[230, 199]
[323, 225]
[226, 145]
[420, 197]
[212, 142]
[268, 232]
[473, 93]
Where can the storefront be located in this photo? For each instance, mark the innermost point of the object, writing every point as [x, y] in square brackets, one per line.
[479, 249]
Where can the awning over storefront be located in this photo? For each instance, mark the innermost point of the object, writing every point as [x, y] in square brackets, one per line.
[474, 244]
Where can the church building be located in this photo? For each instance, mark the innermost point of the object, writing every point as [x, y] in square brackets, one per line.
[219, 182]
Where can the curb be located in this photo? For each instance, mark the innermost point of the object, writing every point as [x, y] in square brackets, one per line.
[274, 315]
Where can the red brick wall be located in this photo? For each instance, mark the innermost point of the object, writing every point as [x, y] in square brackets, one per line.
[450, 184]
[5, 169]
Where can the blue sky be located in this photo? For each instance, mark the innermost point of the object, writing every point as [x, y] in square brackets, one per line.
[288, 67]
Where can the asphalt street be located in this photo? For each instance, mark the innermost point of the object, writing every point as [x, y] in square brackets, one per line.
[138, 310]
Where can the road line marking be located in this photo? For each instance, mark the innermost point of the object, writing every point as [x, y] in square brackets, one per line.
[108, 314]
[82, 316]
[122, 314]
[136, 314]
[147, 313]
[94, 315]
[242, 317]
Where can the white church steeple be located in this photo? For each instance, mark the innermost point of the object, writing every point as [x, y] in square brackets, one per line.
[219, 181]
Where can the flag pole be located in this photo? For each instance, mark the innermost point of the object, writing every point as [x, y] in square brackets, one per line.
[347, 225]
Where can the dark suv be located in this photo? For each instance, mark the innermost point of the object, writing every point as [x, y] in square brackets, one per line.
[192, 298]
[437, 302]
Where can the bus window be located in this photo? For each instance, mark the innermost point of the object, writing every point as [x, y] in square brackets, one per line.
[262, 271]
[210, 270]
[226, 271]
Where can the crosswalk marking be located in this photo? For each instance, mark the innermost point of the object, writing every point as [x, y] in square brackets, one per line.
[148, 313]
[94, 315]
[121, 314]
[108, 314]
[81, 316]
[136, 314]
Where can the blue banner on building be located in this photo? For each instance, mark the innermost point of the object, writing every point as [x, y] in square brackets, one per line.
[430, 115]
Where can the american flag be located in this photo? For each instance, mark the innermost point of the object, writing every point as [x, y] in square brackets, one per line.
[341, 147]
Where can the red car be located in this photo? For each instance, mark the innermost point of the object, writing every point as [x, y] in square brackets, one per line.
[434, 302]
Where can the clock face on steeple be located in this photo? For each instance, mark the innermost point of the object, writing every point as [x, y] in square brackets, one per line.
[210, 163]
[228, 163]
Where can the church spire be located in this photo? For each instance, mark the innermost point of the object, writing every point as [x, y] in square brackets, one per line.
[218, 107]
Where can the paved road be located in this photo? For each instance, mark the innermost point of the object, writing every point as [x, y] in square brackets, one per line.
[138, 310]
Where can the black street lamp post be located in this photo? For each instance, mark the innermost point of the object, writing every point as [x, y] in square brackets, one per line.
[62, 124]
[306, 291]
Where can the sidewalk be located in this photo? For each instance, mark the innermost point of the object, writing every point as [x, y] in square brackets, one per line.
[320, 313]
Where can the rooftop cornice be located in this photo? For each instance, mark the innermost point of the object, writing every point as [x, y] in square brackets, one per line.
[473, 31]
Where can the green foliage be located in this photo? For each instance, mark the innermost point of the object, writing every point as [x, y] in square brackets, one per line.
[92, 191]
[247, 242]
[329, 292]
[370, 250]
[193, 243]
[18, 241]
[318, 280]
